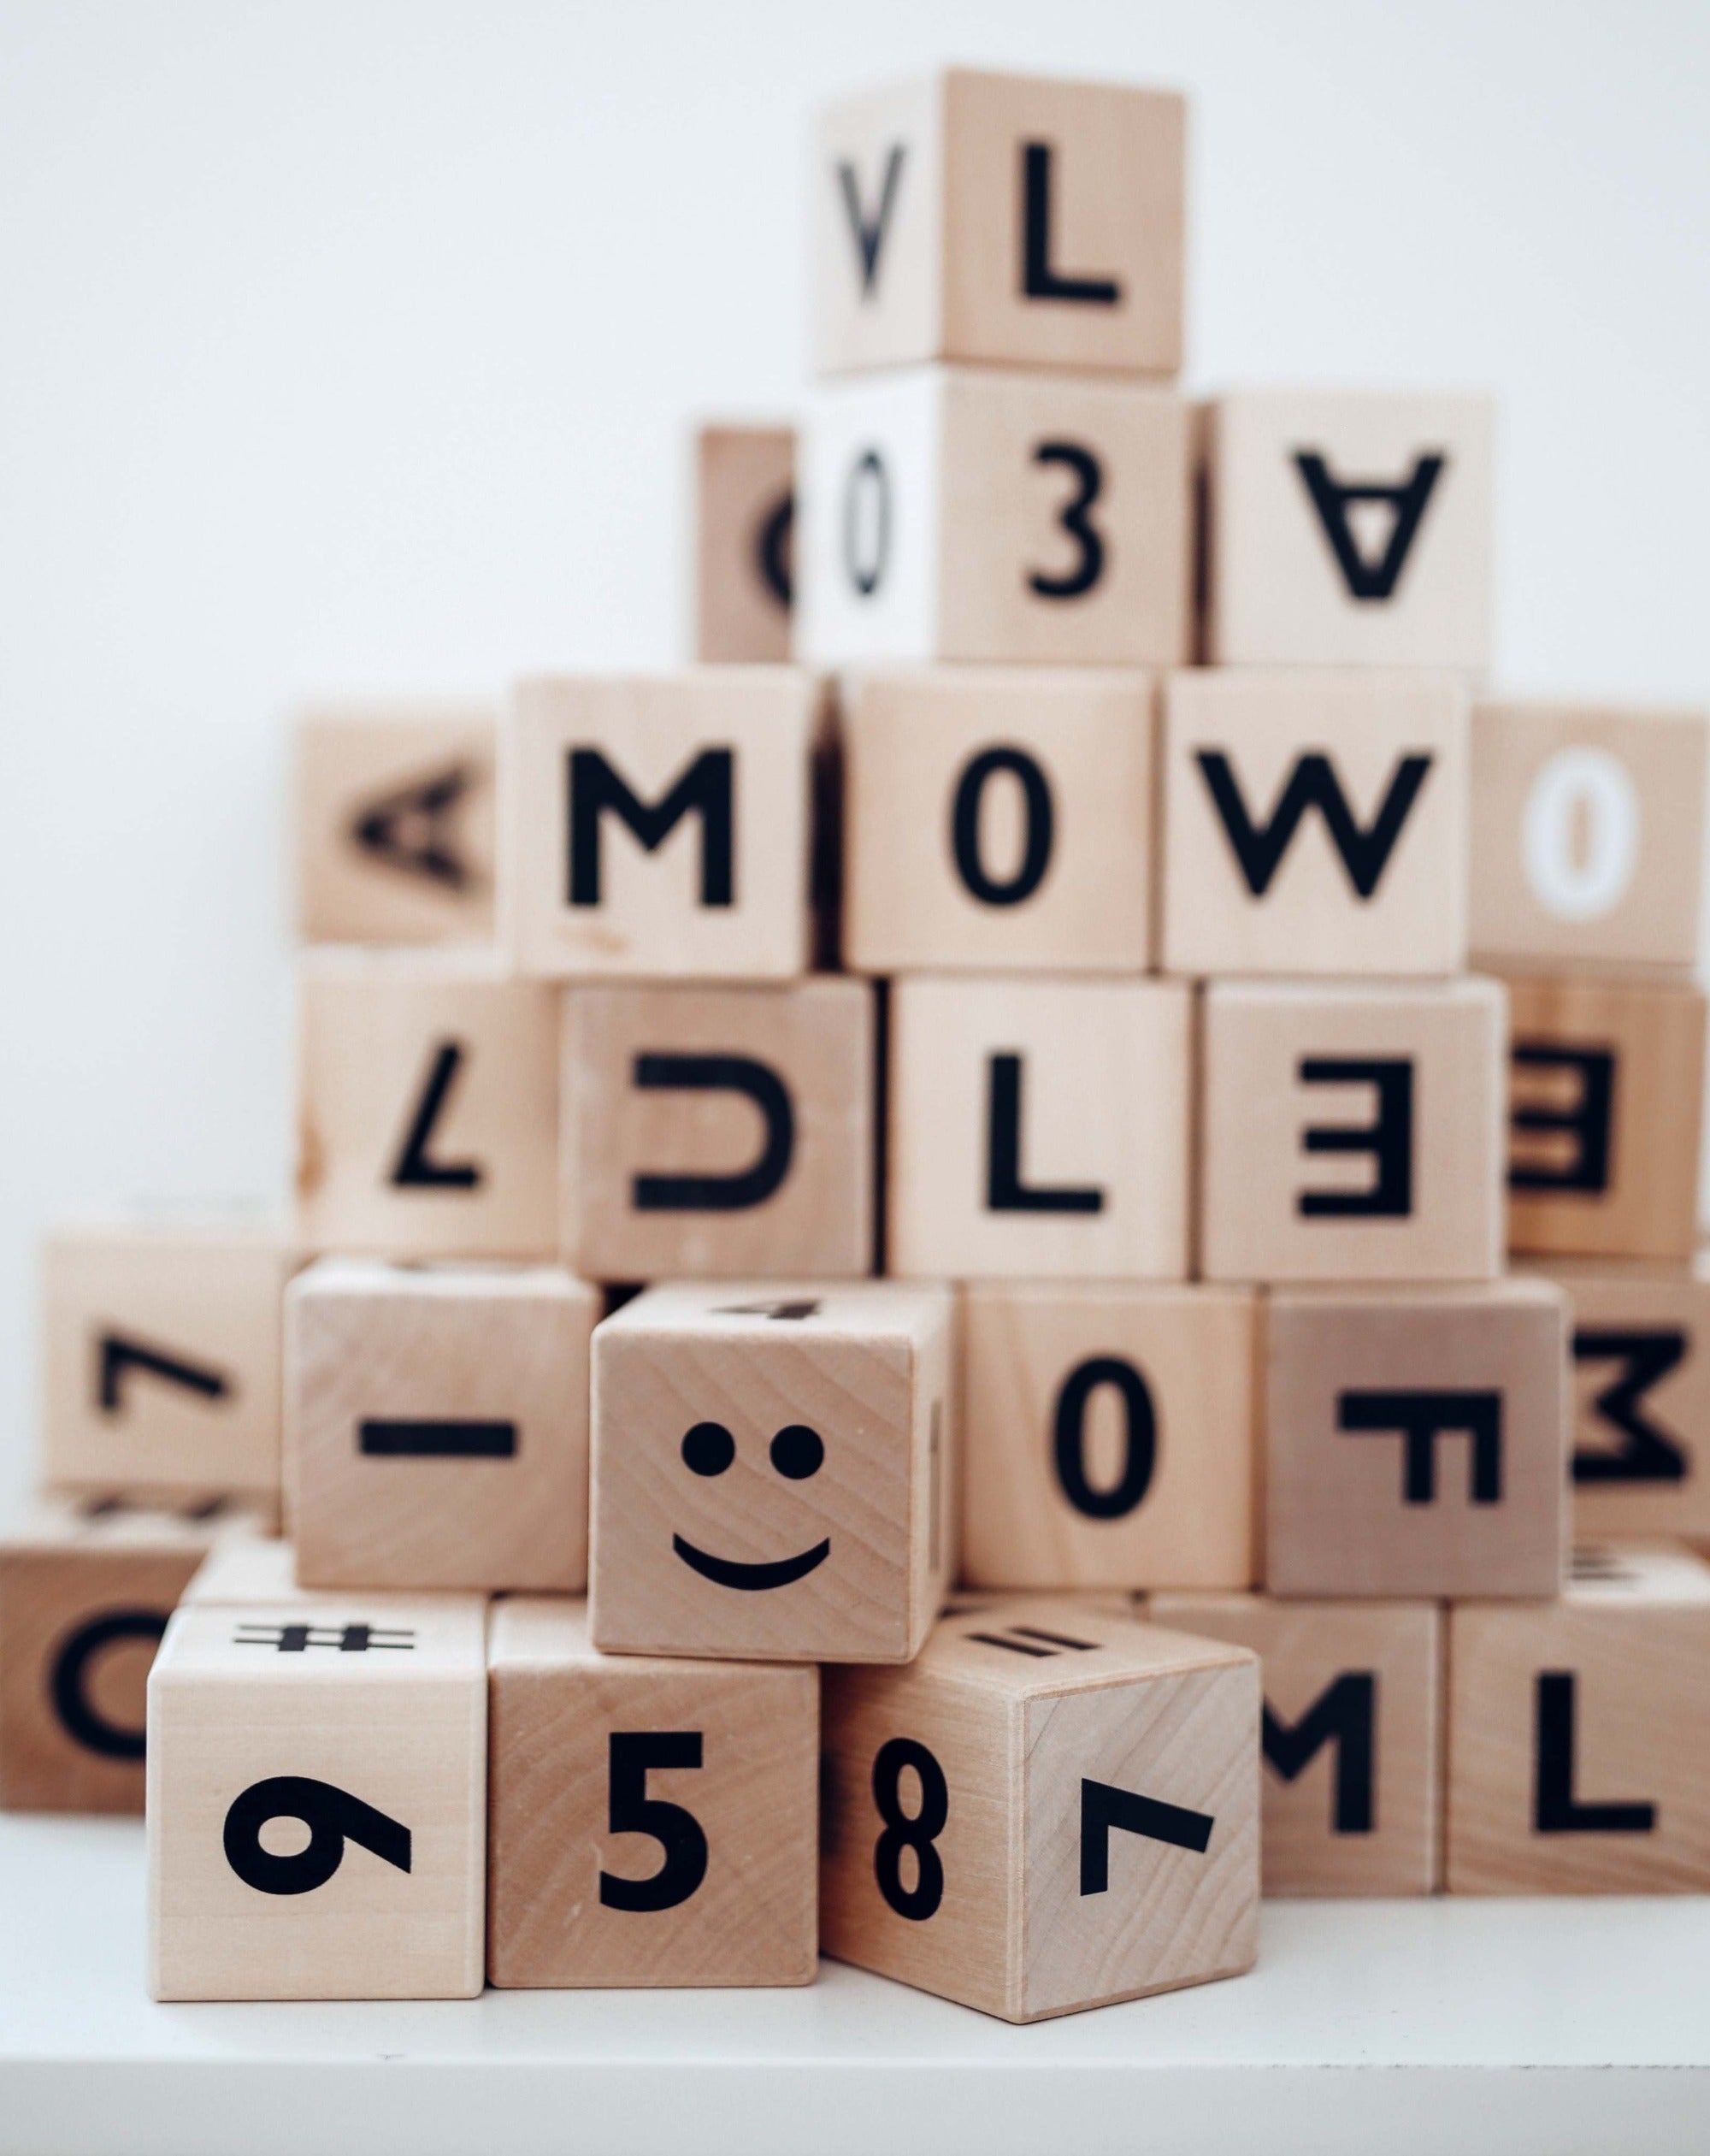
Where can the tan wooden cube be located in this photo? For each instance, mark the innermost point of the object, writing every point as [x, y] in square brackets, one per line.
[1579, 1732]
[719, 1131]
[1352, 1132]
[977, 514]
[653, 1822]
[773, 1471]
[1314, 823]
[1049, 1809]
[745, 512]
[248, 1571]
[317, 1802]
[1111, 1435]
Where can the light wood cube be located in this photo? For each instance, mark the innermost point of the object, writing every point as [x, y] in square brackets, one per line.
[245, 1569]
[653, 1822]
[744, 513]
[1352, 1132]
[773, 1471]
[1049, 1809]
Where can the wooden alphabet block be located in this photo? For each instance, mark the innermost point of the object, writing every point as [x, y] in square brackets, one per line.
[1579, 1732]
[1351, 529]
[998, 817]
[437, 1425]
[1352, 1132]
[1606, 1093]
[774, 1471]
[745, 510]
[658, 827]
[1417, 1440]
[1048, 1810]
[1038, 1129]
[1314, 823]
[975, 514]
[652, 1822]
[1111, 1435]
[427, 1106]
[719, 1131]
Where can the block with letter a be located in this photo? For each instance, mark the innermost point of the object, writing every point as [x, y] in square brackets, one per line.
[745, 519]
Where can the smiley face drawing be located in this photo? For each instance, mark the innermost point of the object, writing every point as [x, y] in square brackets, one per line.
[796, 1452]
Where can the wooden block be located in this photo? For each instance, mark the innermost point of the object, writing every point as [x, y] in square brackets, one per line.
[437, 1425]
[427, 1106]
[394, 817]
[1016, 1147]
[719, 1131]
[745, 509]
[658, 827]
[1352, 1132]
[1351, 1737]
[1047, 1811]
[652, 1822]
[1589, 834]
[1314, 823]
[995, 817]
[1579, 1732]
[1109, 1602]
[1417, 1440]
[774, 1471]
[1351, 528]
[1606, 1105]
[966, 513]
[1111, 1435]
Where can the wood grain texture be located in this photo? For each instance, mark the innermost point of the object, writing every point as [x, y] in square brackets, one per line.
[744, 480]
[247, 1571]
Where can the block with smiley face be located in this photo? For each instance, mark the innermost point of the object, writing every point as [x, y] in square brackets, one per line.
[772, 1471]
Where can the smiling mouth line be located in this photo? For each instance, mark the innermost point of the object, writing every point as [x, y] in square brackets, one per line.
[725, 1572]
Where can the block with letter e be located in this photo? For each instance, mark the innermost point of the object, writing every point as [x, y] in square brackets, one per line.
[744, 513]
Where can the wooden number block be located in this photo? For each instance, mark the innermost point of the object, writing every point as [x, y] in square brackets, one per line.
[1352, 1132]
[394, 817]
[653, 1822]
[995, 817]
[1040, 1128]
[427, 1106]
[437, 1425]
[717, 1131]
[1049, 1809]
[1351, 529]
[962, 513]
[773, 1472]
[1417, 1440]
[1111, 1435]
[1579, 1732]
[1314, 823]
[658, 827]
[1351, 1737]
[1607, 1100]
[745, 508]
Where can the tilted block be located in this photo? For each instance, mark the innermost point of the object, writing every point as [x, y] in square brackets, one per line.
[745, 512]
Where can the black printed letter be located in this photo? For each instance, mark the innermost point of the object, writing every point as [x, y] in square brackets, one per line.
[707, 789]
[964, 826]
[1006, 1192]
[1588, 1123]
[1556, 1810]
[1344, 1714]
[1039, 280]
[746, 1187]
[1388, 1138]
[1421, 1418]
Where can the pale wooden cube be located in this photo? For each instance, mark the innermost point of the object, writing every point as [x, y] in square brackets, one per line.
[653, 1822]
[1352, 1131]
[246, 1570]
[773, 1471]
[317, 1802]
[744, 513]
[713, 1132]
[962, 513]
[1049, 1809]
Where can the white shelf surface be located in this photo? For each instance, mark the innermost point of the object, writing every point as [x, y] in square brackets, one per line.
[1530, 2028]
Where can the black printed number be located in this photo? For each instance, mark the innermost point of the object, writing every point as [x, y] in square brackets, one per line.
[333, 1816]
[903, 1831]
[1073, 517]
[866, 523]
[633, 1811]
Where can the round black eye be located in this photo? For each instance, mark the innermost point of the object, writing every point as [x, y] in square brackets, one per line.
[708, 1449]
[796, 1451]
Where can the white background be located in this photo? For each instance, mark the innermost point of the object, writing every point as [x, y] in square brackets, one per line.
[353, 346]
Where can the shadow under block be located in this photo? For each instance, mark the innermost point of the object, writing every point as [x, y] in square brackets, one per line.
[773, 1471]
[652, 1822]
[719, 1131]
[1607, 1097]
[1049, 1809]
[1350, 529]
[1110, 1436]
[1417, 1440]
[989, 217]
[999, 818]
[1579, 1734]
[1314, 823]
[1038, 1129]
[658, 827]
[744, 507]
[1353, 1736]
[394, 823]
[437, 1426]
[427, 1106]
[1352, 1132]
[960, 513]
